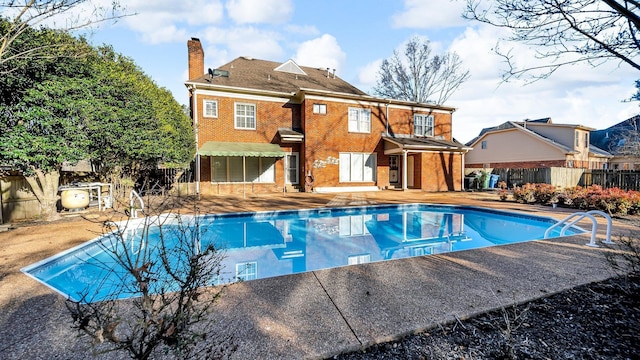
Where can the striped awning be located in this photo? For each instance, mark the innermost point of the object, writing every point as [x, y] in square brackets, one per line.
[218, 148]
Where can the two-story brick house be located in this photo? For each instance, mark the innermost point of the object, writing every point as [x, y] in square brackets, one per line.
[263, 126]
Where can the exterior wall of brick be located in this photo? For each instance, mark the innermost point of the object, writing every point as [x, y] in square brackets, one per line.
[270, 115]
[441, 171]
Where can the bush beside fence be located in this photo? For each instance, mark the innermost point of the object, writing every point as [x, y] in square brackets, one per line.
[595, 197]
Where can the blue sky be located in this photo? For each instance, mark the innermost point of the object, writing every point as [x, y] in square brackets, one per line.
[353, 37]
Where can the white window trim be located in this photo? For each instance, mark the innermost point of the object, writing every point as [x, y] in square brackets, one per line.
[287, 167]
[235, 116]
[363, 170]
[204, 108]
[424, 119]
[322, 108]
[360, 122]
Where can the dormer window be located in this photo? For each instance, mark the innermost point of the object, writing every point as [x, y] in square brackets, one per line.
[423, 125]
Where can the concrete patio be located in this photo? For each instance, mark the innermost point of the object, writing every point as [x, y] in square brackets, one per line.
[316, 314]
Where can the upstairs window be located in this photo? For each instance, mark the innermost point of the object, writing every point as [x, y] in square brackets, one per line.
[245, 116]
[484, 144]
[423, 125]
[586, 139]
[210, 108]
[359, 120]
[577, 144]
[320, 109]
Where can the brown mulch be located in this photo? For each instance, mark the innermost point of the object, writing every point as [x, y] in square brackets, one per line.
[594, 321]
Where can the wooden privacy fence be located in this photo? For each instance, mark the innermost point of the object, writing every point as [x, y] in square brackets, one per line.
[623, 179]
[558, 176]
[570, 177]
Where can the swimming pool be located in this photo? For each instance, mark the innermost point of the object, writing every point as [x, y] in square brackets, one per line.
[267, 244]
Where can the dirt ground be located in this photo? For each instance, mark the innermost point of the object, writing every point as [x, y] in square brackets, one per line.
[594, 321]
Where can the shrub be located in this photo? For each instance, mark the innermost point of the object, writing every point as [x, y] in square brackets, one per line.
[524, 194]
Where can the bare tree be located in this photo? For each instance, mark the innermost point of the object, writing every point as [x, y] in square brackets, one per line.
[155, 289]
[419, 76]
[23, 15]
[564, 32]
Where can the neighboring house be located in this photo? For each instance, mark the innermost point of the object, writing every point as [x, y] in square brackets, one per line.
[535, 144]
[623, 141]
[263, 126]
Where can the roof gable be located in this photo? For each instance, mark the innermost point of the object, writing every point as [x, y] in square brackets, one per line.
[291, 67]
[514, 126]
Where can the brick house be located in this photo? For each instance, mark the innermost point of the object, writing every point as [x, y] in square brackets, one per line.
[535, 144]
[263, 126]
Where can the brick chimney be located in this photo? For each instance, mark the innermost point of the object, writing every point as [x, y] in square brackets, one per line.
[196, 58]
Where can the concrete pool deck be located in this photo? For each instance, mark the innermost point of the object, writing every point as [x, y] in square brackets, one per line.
[320, 313]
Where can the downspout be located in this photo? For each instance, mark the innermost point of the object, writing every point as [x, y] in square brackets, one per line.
[404, 170]
[387, 115]
[462, 172]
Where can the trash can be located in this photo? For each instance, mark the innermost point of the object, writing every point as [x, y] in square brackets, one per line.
[469, 182]
[493, 181]
[484, 180]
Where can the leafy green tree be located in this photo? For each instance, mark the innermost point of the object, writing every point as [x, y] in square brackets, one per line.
[100, 107]
[41, 132]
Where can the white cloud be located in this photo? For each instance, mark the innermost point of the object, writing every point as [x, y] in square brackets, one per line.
[322, 52]
[302, 29]
[245, 41]
[573, 95]
[430, 14]
[259, 11]
[368, 75]
[167, 21]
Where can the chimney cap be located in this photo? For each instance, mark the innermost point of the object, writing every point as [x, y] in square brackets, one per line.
[195, 39]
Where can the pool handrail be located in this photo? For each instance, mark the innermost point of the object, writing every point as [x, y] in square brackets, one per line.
[594, 225]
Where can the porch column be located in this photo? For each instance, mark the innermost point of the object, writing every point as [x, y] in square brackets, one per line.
[462, 175]
[404, 170]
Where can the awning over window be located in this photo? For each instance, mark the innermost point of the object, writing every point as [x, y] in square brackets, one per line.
[218, 148]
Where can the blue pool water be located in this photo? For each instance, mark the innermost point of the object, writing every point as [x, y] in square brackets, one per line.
[268, 244]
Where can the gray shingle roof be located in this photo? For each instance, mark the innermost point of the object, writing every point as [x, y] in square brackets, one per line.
[425, 142]
[261, 75]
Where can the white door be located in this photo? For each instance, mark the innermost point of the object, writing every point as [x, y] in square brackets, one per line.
[291, 164]
[410, 171]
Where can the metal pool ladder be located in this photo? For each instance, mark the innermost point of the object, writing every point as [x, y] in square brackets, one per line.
[577, 216]
[133, 211]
